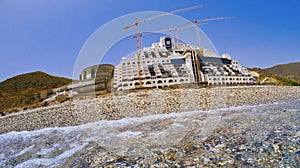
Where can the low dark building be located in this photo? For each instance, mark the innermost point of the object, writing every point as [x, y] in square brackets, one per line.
[97, 78]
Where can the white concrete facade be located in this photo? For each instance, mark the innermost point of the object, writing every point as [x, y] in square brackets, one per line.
[163, 65]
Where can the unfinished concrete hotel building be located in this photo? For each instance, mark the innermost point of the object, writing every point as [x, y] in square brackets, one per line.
[167, 63]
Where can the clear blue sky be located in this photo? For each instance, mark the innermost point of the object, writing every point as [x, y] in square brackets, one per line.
[47, 35]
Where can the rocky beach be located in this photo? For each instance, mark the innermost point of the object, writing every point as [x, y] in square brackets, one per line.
[143, 103]
[208, 127]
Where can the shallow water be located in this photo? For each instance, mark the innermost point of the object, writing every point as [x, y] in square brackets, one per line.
[261, 136]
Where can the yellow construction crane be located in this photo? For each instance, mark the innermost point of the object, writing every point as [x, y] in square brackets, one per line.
[174, 29]
[196, 23]
[137, 37]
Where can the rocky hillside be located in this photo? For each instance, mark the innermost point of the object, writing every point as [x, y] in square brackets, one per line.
[289, 71]
[283, 74]
[23, 90]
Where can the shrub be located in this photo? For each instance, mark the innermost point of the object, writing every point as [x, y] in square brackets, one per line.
[61, 98]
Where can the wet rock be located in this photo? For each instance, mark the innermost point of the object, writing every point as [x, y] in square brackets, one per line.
[251, 137]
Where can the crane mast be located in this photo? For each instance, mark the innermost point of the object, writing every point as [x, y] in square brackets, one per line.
[197, 22]
[137, 37]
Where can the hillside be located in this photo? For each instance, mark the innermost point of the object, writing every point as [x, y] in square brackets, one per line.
[23, 90]
[32, 80]
[289, 71]
[283, 74]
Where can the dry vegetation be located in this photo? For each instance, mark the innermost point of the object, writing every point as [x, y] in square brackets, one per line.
[285, 74]
[22, 91]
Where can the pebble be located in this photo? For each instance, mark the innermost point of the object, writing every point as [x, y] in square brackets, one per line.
[236, 141]
[136, 104]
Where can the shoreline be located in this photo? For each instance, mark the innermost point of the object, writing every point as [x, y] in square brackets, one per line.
[143, 103]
